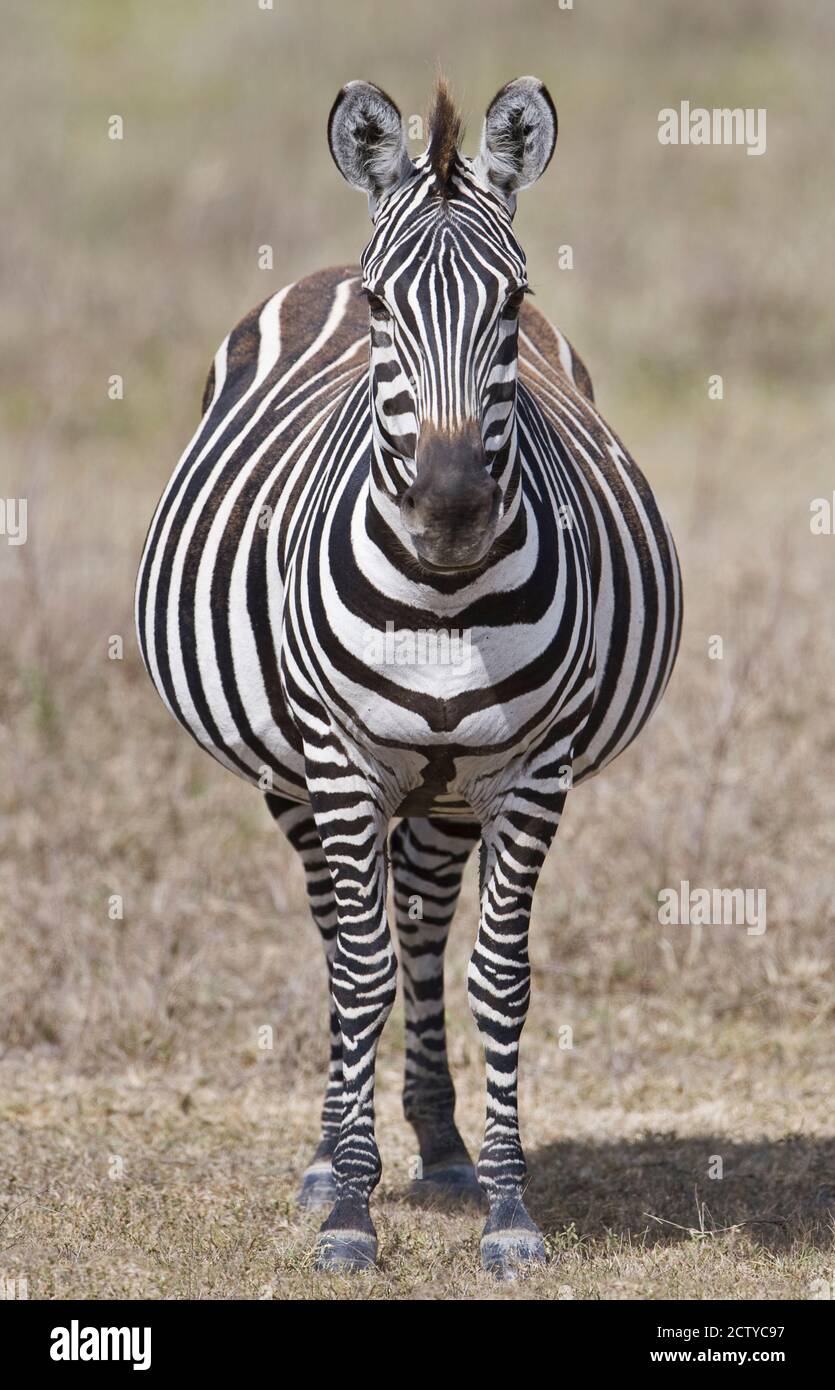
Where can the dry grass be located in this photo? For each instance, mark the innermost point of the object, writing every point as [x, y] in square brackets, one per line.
[137, 1038]
[204, 1209]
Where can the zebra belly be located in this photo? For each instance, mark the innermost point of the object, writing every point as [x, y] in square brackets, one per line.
[424, 802]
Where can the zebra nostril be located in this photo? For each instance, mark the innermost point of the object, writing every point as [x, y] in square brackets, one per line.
[409, 511]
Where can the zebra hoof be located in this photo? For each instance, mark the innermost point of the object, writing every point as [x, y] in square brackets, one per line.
[346, 1252]
[450, 1181]
[318, 1188]
[510, 1255]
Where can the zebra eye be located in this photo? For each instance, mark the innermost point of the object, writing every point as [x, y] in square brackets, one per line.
[376, 305]
[513, 303]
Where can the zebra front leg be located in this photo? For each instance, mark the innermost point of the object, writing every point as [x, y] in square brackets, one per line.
[318, 1188]
[514, 846]
[364, 973]
[427, 860]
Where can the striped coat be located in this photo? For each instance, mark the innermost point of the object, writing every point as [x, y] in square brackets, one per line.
[405, 572]
[286, 432]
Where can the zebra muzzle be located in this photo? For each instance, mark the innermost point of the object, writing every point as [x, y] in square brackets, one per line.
[452, 508]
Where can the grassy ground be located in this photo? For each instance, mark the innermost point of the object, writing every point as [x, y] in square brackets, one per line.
[147, 1145]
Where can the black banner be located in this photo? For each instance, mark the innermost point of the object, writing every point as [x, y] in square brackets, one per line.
[72, 1339]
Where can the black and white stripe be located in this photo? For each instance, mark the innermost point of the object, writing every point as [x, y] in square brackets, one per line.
[348, 422]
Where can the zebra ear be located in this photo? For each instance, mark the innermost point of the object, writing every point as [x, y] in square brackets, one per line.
[367, 140]
[520, 132]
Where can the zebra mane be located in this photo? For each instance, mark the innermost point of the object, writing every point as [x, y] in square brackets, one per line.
[445, 127]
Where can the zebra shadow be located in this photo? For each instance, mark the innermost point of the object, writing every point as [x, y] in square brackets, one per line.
[662, 1188]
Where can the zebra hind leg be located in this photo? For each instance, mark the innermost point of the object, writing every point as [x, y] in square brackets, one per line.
[427, 860]
[318, 1188]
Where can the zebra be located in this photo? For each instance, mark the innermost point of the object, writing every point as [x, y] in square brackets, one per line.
[409, 446]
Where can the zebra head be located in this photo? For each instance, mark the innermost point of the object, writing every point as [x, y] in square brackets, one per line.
[445, 278]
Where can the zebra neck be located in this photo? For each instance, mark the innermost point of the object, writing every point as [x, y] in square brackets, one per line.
[506, 468]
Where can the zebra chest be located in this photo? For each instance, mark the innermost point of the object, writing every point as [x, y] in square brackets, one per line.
[435, 695]
[478, 690]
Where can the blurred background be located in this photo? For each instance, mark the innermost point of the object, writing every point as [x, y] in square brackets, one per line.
[135, 1037]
